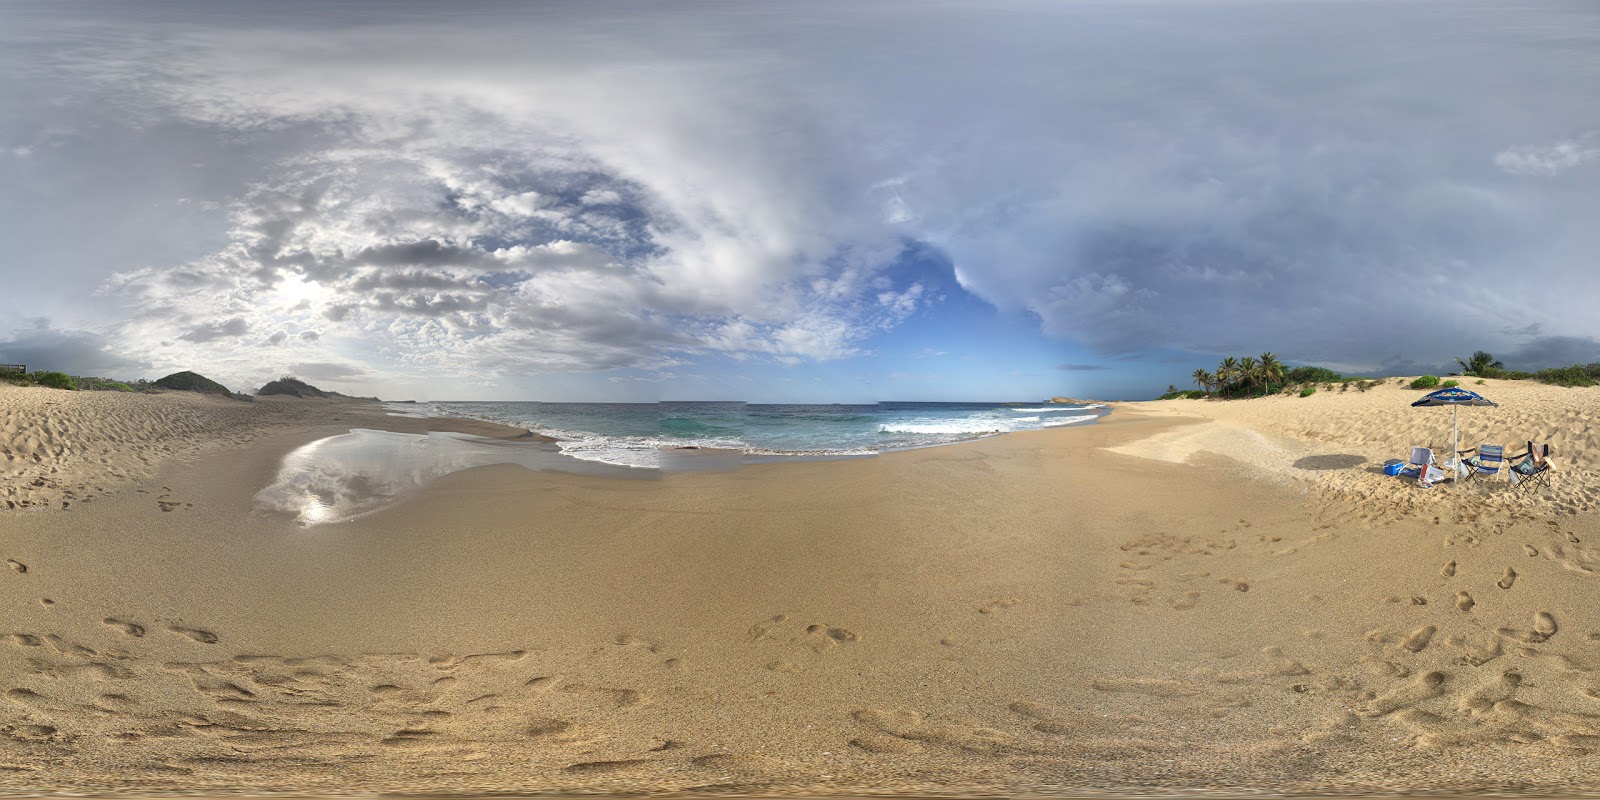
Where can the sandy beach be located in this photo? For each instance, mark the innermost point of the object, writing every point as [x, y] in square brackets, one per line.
[1183, 596]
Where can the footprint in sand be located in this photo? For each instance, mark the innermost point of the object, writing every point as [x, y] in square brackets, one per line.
[1418, 640]
[1449, 570]
[1464, 601]
[203, 637]
[1049, 719]
[1426, 686]
[1544, 624]
[874, 742]
[606, 767]
[995, 605]
[17, 566]
[629, 640]
[622, 698]
[763, 630]
[133, 629]
[1484, 697]
[1544, 627]
[825, 636]
[27, 697]
[542, 727]
[1508, 579]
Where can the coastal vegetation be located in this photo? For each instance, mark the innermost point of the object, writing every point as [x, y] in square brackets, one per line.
[293, 387]
[1259, 376]
[192, 382]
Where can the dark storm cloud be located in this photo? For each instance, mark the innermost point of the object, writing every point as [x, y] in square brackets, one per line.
[1552, 351]
[74, 352]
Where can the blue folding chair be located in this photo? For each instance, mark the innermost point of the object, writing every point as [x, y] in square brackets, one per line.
[1490, 460]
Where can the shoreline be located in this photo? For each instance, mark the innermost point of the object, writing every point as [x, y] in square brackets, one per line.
[752, 454]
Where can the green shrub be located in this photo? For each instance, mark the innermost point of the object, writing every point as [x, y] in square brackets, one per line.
[14, 378]
[55, 380]
[1425, 382]
[103, 385]
[1517, 375]
[1450, 384]
[1313, 375]
[191, 382]
[1575, 375]
[294, 387]
[1308, 391]
[1480, 381]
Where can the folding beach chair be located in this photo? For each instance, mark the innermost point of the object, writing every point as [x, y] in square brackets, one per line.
[1533, 470]
[1490, 459]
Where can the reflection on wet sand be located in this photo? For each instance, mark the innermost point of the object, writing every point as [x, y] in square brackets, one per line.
[343, 476]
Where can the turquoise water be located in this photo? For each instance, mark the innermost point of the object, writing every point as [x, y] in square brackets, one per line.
[635, 434]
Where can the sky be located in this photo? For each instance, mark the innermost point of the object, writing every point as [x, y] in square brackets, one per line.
[794, 202]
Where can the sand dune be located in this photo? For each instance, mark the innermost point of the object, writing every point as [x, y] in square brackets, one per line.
[1037, 612]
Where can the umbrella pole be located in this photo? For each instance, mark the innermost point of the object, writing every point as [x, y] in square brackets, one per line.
[1455, 452]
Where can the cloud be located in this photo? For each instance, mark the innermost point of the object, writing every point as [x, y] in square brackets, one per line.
[491, 193]
[327, 371]
[1081, 367]
[42, 347]
[212, 331]
[1542, 352]
[1552, 159]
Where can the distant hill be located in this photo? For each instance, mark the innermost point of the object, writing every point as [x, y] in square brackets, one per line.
[293, 387]
[192, 382]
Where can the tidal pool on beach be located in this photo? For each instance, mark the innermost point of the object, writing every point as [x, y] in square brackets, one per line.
[344, 476]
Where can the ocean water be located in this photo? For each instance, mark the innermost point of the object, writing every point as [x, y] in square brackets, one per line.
[639, 434]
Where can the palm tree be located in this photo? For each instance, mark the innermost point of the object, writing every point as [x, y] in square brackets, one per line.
[1271, 368]
[1228, 372]
[1200, 377]
[1480, 363]
[1249, 371]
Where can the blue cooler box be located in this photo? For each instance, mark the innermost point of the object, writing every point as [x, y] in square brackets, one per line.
[1393, 466]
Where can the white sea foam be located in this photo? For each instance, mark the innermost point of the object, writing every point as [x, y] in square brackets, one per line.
[952, 426]
[633, 451]
[1056, 423]
[1044, 409]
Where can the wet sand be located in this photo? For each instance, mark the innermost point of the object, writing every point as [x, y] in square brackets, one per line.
[1037, 613]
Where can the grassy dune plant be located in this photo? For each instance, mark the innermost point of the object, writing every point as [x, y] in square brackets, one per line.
[1425, 382]
[55, 380]
[1575, 375]
[1308, 391]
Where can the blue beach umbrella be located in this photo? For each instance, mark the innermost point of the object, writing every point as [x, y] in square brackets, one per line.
[1455, 398]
